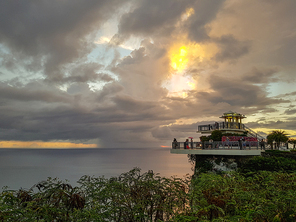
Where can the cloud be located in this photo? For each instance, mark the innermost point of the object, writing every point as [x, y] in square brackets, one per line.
[237, 92]
[142, 72]
[231, 48]
[205, 12]
[32, 92]
[54, 33]
[258, 76]
[290, 111]
[287, 124]
[239, 55]
[148, 18]
[88, 72]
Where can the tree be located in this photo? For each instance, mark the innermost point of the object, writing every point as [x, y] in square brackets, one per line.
[292, 141]
[277, 136]
[204, 138]
[216, 135]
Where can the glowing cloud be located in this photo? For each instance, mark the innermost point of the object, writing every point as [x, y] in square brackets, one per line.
[40, 144]
[184, 54]
[179, 59]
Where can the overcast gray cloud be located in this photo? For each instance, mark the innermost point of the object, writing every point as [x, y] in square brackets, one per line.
[169, 66]
[55, 33]
[231, 49]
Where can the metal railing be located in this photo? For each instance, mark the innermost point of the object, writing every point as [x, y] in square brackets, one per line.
[220, 125]
[253, 133]
[217, 145]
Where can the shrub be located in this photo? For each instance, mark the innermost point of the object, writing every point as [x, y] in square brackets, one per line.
[273, 163]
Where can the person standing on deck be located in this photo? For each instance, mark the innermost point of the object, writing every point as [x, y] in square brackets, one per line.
[175, 143]
[211, 144]
[227, 142]
[186, 144]
[262, 144]
[191, 142]
[244, 143]
[216, 125]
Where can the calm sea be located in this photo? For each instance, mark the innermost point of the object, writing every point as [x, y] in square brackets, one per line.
[22, 168]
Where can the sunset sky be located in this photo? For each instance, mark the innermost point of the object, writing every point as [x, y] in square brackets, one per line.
[137, 73]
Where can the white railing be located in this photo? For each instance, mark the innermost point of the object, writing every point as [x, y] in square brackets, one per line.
[217, 145]
[220, 126]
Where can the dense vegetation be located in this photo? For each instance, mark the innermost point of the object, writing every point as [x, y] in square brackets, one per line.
[277, 137]
[130, 197]
[263, 189]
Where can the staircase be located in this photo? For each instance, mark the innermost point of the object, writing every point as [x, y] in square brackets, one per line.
[252, 133]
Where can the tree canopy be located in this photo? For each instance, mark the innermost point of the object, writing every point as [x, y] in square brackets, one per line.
[277, 136]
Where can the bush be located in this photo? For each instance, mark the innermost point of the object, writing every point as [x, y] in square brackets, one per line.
[130, 197]
[133, 196]
[273, 163]
[265, 197]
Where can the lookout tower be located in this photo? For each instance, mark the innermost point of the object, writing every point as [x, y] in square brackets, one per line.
[232, 124]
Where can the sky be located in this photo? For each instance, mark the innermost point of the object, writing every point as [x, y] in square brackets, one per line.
[138, 73]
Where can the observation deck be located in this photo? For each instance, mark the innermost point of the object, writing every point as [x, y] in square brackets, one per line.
[244, 144]
[218, 148]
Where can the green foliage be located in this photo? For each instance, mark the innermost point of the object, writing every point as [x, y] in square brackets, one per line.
[202, 164]
[130, 197]
[136, 196]
[54, 200]
[276, 152]
[236, 134]
[204, 138]
[278, 136]
[216, 135]
[273, 163]
[292, 141]
[265, 197]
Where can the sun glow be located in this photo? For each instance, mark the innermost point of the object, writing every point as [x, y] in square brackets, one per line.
[185, 55]
[179, 60]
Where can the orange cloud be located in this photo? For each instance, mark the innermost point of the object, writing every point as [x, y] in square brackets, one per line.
[40, 144]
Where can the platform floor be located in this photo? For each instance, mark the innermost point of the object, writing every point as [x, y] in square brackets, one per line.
[219, 152]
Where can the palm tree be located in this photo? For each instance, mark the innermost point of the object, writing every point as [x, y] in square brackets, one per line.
[277, 136]
[293, 141]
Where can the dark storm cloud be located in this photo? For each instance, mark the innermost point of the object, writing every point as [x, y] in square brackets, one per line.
[160, 18]
[87, 72]
[284, 51]
[188, 128]
[205, 12]
[258, 76]
[290, 111]
[135, 56]
[31, 93]
[231, 48]
[56, 31]
[238, 92]
[150, 17]
[292, 94]
[62, 123]
[284, 124]
[40, 112]
[8, 61]
[132, 107]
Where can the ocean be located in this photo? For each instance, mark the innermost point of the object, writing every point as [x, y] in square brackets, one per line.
[22, 168]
